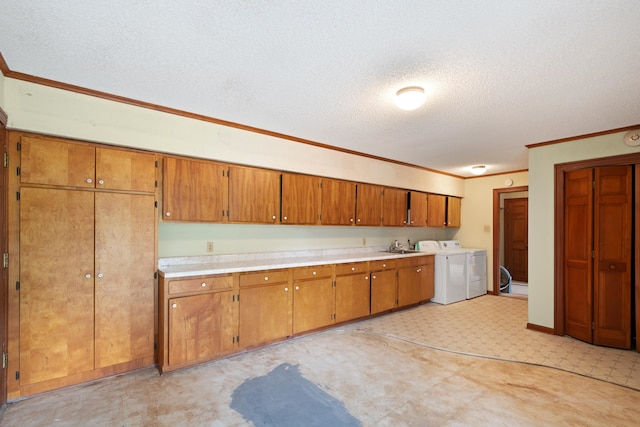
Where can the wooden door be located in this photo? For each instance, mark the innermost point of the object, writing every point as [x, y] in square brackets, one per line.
[194, 191]
[56, 283]
[417, 209]
[254, 195]
[125, 170]
[124, 283]
[453, 211]
[578, 223]
[394, 207]
[409, 285]
[384, 290]
[436, 210]
[612, 260]
[300, 199]
[352, 297]
[265, 313]
[4, 272]
[53, 162]
[427, 278]
[313, 304]
[338, 205]
[516, 238]
[191, 322]
[368, 205]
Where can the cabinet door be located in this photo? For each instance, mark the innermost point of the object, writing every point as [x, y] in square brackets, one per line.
[124, 283]
[265, 313]
[369, 205]
[254, 195]
[353, 296]
[193, 190]
[338, 202]
[383, 290]
[427, 279]
[53, 162]
[300, 199]
[125, 170]
[436, 209]
[409, 285]
[313, 304]
[201, 326]
[453, 211]
[394, 207]
[418, 209]
[56, 296]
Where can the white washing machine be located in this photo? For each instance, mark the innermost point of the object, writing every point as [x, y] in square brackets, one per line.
[476, 267]
[450, 281]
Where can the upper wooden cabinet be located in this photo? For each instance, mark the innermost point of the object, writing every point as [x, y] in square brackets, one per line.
[394, 207]
[300, 199]
[338, 205]
[254, 195]
[417, 209]
[453, 211]
[436, 210]
[53, 162]
[369, 204]
[194, 190]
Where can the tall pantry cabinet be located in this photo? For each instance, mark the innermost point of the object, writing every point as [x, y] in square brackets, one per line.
[85, 287]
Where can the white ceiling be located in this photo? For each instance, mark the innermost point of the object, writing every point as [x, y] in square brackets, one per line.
[500, 74]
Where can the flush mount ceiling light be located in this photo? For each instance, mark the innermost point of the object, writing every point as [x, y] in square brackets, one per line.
[632, 138]
[478, 170]
[410, 98]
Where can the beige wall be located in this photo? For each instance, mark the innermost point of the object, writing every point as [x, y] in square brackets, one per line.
[2, 102]
[477, 213]
[52, 111]
[542, 161]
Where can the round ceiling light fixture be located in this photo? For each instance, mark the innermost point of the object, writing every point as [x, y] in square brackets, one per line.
[632, 138]
[478, 170]
[410, 98]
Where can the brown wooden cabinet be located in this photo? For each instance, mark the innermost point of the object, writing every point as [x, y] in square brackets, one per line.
[352, 291]
[384, 285]
[417, 209]
[415, 280]
[394, 207]
[453, 211]
[265, 307]
[86, 260]
[254, 195]
[300, 199]
[436, 210]
[48, 161]
[369, 205]
[313, 298]
[194, 190]
[338, 205]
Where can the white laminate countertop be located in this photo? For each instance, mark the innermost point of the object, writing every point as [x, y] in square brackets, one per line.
[182, 267]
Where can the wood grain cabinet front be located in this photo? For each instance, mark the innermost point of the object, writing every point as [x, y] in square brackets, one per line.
[313, 298]
[300, 199]
[338, 205]
[353, 293]
[369, 205]
[415, 280]
[394, 207]
[384, 285]
[254, 195]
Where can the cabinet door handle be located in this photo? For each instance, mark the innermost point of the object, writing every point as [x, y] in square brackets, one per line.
[373, 277]
[100, 275]
[351, 220]
[87, 276]
[204, 285]
[174, 305]
[418, 270]
[314, 273]
[286, 289]
[297, 288]
[285, 218]
[266, 278]
[167, 214]
[273, 217]
[366, 277]
[353, 269]
[384, 265]
[89, 180]
[101, 182]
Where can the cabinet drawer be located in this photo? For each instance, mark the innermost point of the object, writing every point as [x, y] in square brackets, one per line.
[314, 272]
[264, 277]
[383, 264]
[410, 261]
[352, 268]
[213, 283]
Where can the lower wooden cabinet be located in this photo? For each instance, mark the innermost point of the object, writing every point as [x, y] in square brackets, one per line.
[313, 298]
[384, 285]
[352, 291]
[415, 280]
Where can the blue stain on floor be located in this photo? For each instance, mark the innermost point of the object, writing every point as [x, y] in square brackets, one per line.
[284, 397]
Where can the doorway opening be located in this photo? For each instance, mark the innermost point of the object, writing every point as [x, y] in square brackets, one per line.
[516, 231]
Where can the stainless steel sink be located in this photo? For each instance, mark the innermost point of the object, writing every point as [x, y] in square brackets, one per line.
[401, 251]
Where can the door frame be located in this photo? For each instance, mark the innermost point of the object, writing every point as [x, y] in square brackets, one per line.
[495, 288]
[559, 240]
[4, 248]
[505, 217]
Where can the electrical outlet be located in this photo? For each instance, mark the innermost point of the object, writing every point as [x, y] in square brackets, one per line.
[209, 246]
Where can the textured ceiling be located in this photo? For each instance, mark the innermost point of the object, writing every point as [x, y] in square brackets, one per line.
[500, 74]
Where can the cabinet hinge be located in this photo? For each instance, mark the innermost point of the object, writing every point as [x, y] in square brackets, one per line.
[334, 316]
[17, 375]
[17, 195]
[155, 204]
[19, 146]
[238, 297]
[156, 164]
[320, 216]
[155, 345]
[6, 160]
[228, 173]
[5, 360]
[334, 283]
[17, 286]
[238, 339]
[18, 171]
[156, 183]
[5, 260]
[223, 212]
[593, 254]
[593, 325]
[593, 185]
[155, 274]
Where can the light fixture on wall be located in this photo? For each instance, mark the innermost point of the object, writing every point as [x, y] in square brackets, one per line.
[410, 98]
[632, 138]
[478, 170]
